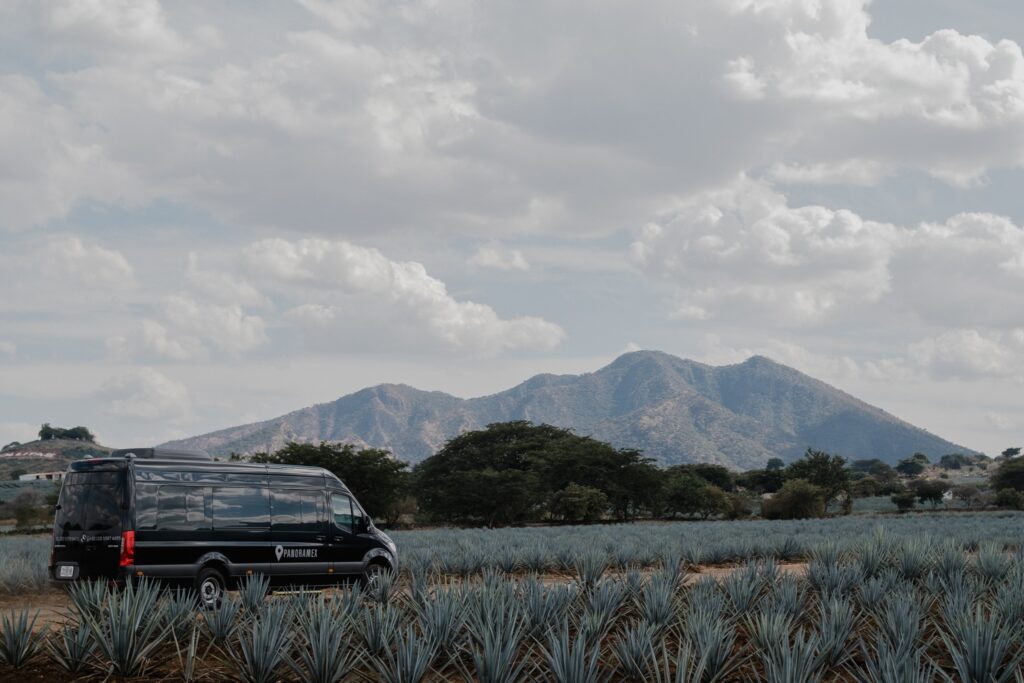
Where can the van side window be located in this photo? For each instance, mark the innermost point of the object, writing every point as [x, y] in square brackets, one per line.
[181, 508]
[342, 511]
[238, 507]
[293, 510]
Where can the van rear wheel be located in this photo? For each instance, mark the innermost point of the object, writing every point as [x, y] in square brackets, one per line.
[210, 585]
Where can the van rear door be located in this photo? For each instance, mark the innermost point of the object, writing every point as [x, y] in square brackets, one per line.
[88, 523]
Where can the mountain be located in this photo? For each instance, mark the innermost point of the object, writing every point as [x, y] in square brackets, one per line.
[675, 410]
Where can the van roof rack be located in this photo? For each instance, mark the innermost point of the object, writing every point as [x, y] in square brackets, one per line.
[160, 454]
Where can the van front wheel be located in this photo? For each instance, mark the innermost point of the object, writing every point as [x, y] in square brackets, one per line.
[210, 586]
[373, 571]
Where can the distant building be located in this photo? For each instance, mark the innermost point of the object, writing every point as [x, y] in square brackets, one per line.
[35, 476]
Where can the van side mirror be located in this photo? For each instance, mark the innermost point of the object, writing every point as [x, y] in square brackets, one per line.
[362, 524]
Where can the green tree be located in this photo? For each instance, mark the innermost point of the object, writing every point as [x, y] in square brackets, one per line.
[904, 500]
[711, 501]
[46, 432]
[682, 493]
[577, 503]
[1011, 452]
[931, 491]
[910, 467]
[761, 481]
[377, 479]
[969, 494]
[775, 464]
[26, 509]
[716, 475]
[543, 460]
[17, 472]
[1008, 475]
[1009, 498]
[827, 472]
[797, 499]
[954, 461]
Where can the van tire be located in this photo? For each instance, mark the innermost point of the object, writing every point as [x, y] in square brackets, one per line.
[210, 586]
[373, 570]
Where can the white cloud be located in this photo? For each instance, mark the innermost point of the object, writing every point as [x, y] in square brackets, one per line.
[482, 130]
[742, 253]
[743, 250]
[69, 258]
[966, 353]
[399, 299]
[145, 394]
[8, 348]
[228, 328]
[495, 256]
[112, 27]
[21, 432]
[222, 287]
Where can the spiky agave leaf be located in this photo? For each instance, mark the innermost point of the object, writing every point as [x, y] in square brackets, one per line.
[19, 641]
[983, 647]
[798, 661]
[408, 662]
[885, 663]
[222, 621]
[656, 603]
[441, 619]
[589, 567]
[634, 649]
[260, 646]
[770, 629]
[88, 597]
[835, 625]
[130, 628]
[992, 563]
[72, 647]
[569, 660]
[713, 641]
[685, 666]
[377, 625]
[744, 588]
[324, 654]
[496, 655]
[253, 590]
[901, 620]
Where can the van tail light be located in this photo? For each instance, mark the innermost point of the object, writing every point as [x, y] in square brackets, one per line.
[127, 548]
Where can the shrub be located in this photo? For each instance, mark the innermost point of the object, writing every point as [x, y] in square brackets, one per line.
[904, 500]
[797, 499]
[1009, 475]
[1009, 498]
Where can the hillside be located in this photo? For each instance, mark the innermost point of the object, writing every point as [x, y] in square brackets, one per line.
[46, 456]
[675, 410]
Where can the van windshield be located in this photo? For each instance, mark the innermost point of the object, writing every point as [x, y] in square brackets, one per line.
[91, 501]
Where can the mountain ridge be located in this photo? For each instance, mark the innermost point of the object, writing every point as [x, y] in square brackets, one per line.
[674, 409]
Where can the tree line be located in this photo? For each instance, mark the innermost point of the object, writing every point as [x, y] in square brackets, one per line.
[48, 433]
[518, 472]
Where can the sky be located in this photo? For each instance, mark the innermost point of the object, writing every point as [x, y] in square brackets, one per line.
[215, 213]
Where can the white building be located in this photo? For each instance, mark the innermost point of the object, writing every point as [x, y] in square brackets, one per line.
[52, 476]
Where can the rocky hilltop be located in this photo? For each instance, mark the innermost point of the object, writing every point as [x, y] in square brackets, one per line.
[675, 410]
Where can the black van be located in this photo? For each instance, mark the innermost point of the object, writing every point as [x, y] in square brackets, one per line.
[183, 518]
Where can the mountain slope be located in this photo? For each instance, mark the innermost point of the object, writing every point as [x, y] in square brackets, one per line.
[675, 410]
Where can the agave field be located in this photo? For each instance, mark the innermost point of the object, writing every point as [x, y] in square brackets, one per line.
[922, 598]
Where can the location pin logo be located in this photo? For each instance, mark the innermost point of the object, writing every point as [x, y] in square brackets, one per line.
[279, 551]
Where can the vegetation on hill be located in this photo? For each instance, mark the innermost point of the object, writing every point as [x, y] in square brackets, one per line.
[517, 472]
[48, 433]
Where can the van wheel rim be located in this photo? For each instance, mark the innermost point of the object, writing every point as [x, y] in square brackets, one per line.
[209, 591]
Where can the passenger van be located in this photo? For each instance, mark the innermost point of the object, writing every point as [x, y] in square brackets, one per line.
[183, 518]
